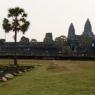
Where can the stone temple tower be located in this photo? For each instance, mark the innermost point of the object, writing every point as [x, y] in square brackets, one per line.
[88, 29]
[48, 38]
[71, 32]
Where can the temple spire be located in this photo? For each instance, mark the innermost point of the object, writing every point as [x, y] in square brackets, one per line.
[71, 31]
[88, 29]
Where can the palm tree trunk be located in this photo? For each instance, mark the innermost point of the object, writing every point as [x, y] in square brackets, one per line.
[15, 56]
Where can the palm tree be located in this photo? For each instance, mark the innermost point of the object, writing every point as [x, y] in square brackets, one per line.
[16, 22]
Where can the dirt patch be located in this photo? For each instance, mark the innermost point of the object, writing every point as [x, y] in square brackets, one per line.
[70, 65]
[57, 67]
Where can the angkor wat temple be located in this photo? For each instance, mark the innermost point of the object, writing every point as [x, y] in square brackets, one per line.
[72, 45]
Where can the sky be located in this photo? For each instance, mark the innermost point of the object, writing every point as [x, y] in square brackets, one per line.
[50, 16]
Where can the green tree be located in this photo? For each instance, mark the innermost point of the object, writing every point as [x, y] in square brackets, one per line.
[24, 40]
[33, 41]
[16, 21]
[86, 41]
[60, 41]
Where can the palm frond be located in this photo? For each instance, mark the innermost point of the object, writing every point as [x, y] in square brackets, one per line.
[25, 26]
[6, 25]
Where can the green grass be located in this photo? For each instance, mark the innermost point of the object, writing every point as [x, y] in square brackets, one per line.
[65, 78]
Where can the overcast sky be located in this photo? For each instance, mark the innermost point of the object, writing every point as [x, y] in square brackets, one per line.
[50, 16]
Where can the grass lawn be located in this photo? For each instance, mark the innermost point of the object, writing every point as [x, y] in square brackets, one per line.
[52, 78]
